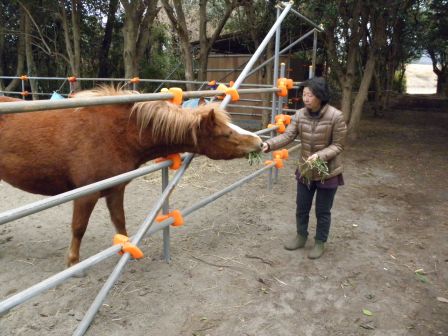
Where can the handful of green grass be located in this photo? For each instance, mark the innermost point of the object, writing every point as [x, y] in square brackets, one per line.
[308, 167]
[254, 158]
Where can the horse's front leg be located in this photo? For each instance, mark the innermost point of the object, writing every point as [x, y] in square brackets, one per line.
[114, 202]
[82, 209]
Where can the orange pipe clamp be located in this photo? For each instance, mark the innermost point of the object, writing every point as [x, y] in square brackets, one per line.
[135, 80]
[286, 119]
[278, 163]
[233, 94]
[24, 77]
[132, 249]
[72, 79]
[284, 84]
[178, 95]
[175, 214]
[229, 91]
[281, 126]
[175, 158]
[281, 154]
[24, 93]
[221, 87]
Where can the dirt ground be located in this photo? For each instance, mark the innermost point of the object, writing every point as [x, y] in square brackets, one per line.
[387, 253]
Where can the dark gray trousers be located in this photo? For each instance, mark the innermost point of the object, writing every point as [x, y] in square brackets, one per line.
[324, 203]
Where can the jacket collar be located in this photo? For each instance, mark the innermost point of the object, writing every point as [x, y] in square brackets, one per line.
[323, 110]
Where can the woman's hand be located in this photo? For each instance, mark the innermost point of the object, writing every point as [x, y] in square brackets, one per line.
[312, 158]
[265, 147]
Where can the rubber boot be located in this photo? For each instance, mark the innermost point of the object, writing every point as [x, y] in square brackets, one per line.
[317, 250]
[295, 243]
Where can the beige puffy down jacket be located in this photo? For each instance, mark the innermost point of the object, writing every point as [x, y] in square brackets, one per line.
[323, 135]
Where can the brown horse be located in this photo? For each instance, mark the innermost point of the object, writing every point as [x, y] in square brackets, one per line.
[51, 152]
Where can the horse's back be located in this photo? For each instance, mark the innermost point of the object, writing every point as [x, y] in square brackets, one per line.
[49, 152]
[5, 99]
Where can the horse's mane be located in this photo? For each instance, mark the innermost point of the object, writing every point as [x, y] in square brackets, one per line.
[167, 122]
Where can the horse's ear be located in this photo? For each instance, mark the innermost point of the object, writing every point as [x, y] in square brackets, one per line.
[209, 120]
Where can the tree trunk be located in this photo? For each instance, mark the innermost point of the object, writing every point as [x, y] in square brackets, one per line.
[103, 54]
[29, 56]
[139, 17]
[203, 43]
[346, 99]
[129, 45]
[76, 7]
[361, 96]
[251, 18]
[206, 43]
[377, 110]
[20, 57]
[442, 83]
[72, 46]
[177, 19]
[188, 62]
[203, 64]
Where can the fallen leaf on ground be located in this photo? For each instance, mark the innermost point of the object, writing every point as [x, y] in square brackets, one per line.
[367, 312]
[442, 299]
[421, 277]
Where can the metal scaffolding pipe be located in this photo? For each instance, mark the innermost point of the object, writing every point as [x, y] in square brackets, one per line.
[40, 105]
[30, 93]
[282, 52]
[231, 187]
[257, 108]
[49, 202]
[319, 28]
[258, 52]
[266, 130]
[56, 279]
[172, 81]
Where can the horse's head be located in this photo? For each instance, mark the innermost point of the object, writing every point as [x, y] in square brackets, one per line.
[204, 130]
[217, 138]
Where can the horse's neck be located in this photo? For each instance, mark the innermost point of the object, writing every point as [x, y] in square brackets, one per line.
[147, 148]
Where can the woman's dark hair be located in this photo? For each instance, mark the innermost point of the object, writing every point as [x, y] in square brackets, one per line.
[319, 88]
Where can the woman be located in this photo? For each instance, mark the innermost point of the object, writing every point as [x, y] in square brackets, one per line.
[321, 130]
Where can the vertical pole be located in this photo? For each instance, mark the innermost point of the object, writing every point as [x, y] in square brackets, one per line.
[313, 66]
[23, 88]
[274, 95]
[165, 210]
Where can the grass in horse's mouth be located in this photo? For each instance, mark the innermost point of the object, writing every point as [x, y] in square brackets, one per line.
[254, 158]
